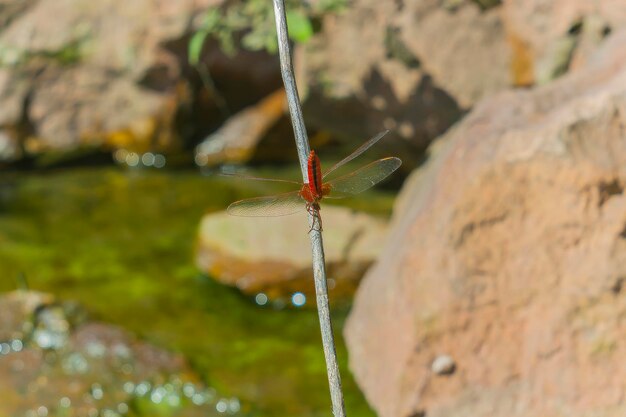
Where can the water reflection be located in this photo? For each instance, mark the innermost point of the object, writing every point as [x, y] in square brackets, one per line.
[298, 299]
[261, 299]
[133, 159]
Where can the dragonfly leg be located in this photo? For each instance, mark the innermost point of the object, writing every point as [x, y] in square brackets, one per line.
[314, 210]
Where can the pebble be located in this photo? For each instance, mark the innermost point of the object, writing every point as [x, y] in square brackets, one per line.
[443, 365]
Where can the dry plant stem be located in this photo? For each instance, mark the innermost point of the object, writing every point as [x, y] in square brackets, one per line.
[319, 268]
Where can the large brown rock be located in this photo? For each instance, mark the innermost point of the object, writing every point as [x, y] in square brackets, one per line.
[501, 290]
[94, 69]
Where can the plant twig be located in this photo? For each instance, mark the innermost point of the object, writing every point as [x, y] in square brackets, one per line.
[319, 267]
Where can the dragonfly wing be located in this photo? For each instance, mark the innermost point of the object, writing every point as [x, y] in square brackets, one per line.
[271, 206]
[248, 177]
[364, 178]
[357, 152]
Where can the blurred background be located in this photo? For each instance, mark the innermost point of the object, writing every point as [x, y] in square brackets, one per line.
[484, 278]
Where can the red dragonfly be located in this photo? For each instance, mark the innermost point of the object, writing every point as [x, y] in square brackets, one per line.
[310, 194]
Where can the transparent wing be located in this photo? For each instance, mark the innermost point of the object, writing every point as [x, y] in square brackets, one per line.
[248, 177]
[364, 178]
[357, 152]
[271, 206]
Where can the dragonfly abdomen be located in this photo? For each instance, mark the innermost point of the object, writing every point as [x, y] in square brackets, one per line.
[315, 175]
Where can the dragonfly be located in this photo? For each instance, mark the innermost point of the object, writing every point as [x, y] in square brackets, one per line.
[310, 193]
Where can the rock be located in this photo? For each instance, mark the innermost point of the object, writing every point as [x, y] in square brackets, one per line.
[560, 34]
[52, 329]
[114, 74]
[77, 78]
[237, 139]
[360, 79]
[418, 65]
[241, 252]
[507, 251]
[443, 365]
[95, 369]
[475, 60]
[9, 148]
[18, 313]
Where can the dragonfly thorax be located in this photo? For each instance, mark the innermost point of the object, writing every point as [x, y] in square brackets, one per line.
[311, 194]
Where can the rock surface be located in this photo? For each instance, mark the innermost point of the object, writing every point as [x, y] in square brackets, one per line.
[359, 78]
[73, 79]
[415, 66]
[237, 139]
[91, 369]
[557, 35]
[114, 73]
[241, 252]
[508, 253]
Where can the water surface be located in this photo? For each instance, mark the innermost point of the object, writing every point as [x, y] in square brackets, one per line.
[121, 243]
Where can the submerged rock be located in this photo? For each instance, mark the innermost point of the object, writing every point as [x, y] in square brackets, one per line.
[52, 329]
[18, 312]
[272, 256]
[507, 252]
[53, 365]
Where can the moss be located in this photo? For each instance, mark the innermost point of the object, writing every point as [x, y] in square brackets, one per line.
[69, 54]
[397, 49]
[487, 4]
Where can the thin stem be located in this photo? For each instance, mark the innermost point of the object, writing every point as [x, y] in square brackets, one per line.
[286, 69]
[317, 246]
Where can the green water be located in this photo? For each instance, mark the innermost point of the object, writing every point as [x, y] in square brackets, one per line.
[121, 243]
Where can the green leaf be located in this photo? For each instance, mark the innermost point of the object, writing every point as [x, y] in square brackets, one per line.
[195, 47]
[253, 41]
[227, 43]
[271, 45]
[300, 27]
[211, 20]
